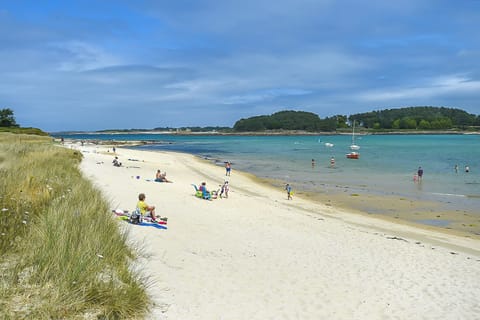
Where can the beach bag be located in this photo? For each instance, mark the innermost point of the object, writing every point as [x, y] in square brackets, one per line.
[135, 217]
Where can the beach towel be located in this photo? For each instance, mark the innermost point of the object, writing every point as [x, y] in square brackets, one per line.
[145, 223]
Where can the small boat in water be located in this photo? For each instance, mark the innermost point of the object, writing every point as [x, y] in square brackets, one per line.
[353, 155]
[328, 144]
[353, 146]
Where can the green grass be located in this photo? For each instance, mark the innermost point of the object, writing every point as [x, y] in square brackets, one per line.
[34, 131]
[62, 253]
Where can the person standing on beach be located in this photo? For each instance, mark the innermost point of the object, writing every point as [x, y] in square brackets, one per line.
[225, 189]
[420, 173]
[467, 169]
[289, 191]
[228, 168]
[313, 163]
[456, 168]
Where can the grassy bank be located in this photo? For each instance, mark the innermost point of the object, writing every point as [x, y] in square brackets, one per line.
[62, 254]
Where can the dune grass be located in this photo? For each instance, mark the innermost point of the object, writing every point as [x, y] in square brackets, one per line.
[62, 253]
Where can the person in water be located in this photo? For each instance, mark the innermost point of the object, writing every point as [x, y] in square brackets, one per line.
[420, 173]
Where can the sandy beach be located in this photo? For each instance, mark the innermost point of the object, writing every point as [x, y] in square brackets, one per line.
[257, 255]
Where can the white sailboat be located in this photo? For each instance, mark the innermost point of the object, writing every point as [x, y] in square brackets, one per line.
[353, 146]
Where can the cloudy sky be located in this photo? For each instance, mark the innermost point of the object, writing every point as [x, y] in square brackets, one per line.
[91, 65]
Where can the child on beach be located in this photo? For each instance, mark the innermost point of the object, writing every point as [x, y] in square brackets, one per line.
[289, 191]
[224, 190]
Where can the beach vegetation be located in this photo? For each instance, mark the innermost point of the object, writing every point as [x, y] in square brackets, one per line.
[286, 120]
[435, 118]
[6, 118]
[62, 253]
[20, 130]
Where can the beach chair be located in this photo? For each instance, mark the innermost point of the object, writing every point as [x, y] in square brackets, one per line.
[198, 193]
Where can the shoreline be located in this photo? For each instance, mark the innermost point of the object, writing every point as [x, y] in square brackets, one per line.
[396, 209]
[271, 133]
[423, 214]
[257, 255]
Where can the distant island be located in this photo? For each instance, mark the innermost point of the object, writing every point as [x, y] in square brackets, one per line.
[411, 118]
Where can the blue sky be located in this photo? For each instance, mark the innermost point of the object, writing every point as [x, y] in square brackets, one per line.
[92, 65]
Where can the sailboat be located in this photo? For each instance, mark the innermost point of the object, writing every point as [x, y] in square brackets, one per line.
[353, 146]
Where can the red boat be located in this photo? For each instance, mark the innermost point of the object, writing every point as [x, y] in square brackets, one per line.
[353, 155]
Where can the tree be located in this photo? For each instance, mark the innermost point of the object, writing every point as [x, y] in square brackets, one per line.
[424, 124]
[6, 118]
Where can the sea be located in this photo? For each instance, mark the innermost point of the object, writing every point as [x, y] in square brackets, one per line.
[386, 166]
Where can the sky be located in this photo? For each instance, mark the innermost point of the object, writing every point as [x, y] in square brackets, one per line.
[115, 64]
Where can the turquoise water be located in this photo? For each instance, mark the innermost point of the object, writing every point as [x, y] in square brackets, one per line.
[386, 166]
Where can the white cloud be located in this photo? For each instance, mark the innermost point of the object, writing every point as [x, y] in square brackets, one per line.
[81, 56]
[431, 88]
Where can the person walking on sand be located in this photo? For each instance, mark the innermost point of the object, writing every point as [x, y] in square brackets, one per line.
[456, 168]
[228, 168]
[313, 163]
[420, 173]
[289, 191]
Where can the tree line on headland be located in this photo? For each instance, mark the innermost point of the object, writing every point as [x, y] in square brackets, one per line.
[417, 118]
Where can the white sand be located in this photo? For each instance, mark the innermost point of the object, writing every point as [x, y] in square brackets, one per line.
[256, 255]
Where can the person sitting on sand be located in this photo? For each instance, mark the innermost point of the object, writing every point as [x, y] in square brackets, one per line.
[161, 177]
[205, 192]
[145, 208]
[116, 163]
